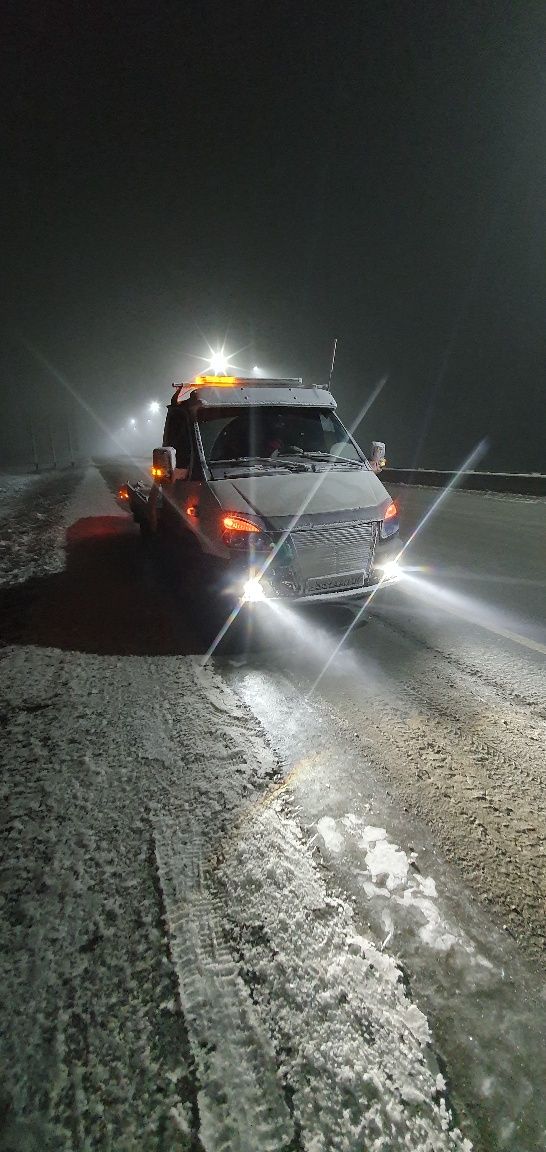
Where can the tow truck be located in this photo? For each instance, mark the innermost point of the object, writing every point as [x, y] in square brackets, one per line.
[264, 482]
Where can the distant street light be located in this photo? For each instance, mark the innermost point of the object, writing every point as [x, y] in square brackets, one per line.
[256, 370]
[132, 422]
[154, 406]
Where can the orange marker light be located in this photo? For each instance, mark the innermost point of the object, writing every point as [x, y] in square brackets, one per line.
[391, 512]
[123, 494]
[236, 523]
[216, 381]
[192, 511]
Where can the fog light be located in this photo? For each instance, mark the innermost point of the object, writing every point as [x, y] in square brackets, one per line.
[391, 570]
[252, 592]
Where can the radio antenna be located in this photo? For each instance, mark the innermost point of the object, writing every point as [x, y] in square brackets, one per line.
[332, 365]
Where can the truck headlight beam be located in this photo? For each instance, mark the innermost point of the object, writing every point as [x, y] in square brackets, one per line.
[253, 592]
[391, 570]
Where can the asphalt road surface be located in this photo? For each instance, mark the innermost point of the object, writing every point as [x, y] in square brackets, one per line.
[408, 756]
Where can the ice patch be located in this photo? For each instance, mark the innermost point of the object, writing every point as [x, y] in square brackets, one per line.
[385, 859]
[333, 839]
[372, 890]
[387, 863]
[427, 885]
[370, 835]
[433, 932]
[417, 1023]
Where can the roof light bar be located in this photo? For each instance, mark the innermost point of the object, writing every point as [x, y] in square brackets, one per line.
[208, 380]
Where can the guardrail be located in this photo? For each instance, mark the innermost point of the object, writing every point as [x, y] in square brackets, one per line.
[523, 484]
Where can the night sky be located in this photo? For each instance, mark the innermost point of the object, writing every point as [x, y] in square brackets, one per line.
[282, 172]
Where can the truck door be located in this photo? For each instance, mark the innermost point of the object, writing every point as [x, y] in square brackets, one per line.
[176, 496]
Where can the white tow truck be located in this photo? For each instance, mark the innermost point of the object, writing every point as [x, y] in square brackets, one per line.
[273, 492]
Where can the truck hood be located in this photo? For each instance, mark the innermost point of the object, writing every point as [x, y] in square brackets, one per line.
[308, 495]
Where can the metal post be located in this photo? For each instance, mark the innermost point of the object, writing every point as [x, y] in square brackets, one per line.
[70, 447]
[52, 444]
[332, 364]
[33, 441]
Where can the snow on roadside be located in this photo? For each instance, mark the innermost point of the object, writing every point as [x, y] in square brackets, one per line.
[298, 1029]
[261, 950]
[94, 1050]
[92, 498]
[294, 1032]
[12, 488]
[31, 530]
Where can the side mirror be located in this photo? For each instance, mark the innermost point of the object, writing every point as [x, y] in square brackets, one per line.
[377, 456]
[163, 465]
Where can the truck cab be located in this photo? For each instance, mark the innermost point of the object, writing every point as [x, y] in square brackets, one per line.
[273, 489]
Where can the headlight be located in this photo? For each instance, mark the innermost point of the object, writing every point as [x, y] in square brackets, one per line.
[241, 532]
[389, 524]
[391, 570]
[247, 541]
[252, 591]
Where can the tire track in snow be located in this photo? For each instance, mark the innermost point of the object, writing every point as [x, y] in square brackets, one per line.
[241, 1100]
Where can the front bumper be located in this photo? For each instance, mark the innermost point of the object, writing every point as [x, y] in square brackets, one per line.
[279, 584]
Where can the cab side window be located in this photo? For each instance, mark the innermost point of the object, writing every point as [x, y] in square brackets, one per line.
[177, 436]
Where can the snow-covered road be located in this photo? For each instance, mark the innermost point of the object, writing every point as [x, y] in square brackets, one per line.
[214, 909]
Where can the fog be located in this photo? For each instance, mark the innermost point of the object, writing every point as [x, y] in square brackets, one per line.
[266, 179]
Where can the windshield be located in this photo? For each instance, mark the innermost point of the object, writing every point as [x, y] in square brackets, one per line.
[232, 434]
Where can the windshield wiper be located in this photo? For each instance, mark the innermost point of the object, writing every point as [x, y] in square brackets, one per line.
[260, 462]
[238, 460]
[333, 457]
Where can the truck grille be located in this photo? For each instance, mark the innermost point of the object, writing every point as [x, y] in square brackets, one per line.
[335, 557]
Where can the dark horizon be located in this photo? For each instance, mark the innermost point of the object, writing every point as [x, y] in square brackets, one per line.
[278, 176]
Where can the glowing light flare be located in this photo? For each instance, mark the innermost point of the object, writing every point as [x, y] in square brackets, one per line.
[154, 407]
[218, 381]
[219, 362]
[234, 523]
[391, 570]
[253, 592]
[391, 512]
[468, 466]
[475, 455]
[472, 611]
[220, 635]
